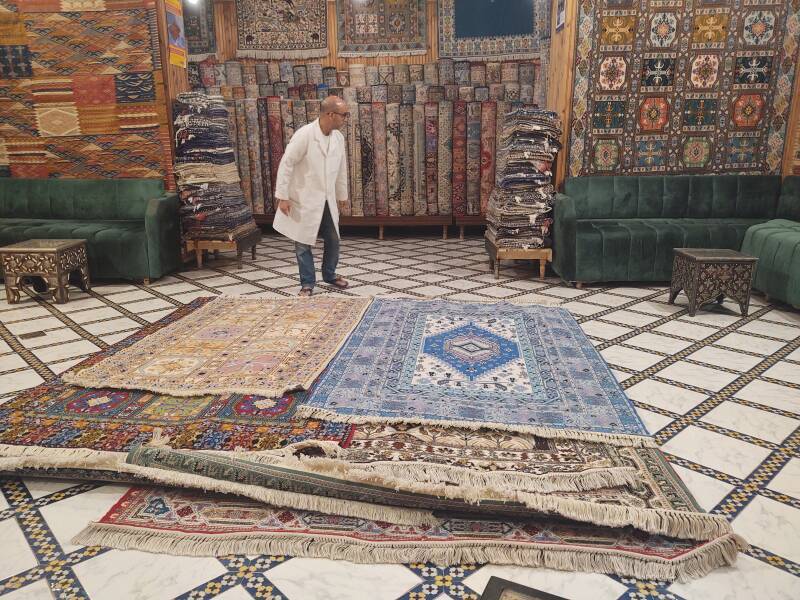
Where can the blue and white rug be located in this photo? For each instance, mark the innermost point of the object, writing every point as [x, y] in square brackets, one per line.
[506, 366]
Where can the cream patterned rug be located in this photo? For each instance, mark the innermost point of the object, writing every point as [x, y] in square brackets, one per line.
[233, 345]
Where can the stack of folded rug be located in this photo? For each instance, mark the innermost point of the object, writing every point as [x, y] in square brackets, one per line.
[212, 203]
[519, 213]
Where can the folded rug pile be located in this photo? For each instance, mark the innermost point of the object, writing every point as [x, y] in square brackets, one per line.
[212, 201]
[520, 207]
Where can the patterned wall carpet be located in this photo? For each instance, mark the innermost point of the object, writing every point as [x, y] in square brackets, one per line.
[682, 86]
[81, 90]
[721, 393]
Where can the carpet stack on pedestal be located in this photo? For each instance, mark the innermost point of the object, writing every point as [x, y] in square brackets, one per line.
[212, 203]
[519, 213]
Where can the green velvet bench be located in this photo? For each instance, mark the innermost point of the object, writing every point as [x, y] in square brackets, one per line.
[624, 228]
[131, 226]
[776, 243]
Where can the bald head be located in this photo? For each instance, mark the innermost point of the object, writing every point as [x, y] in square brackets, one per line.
[333, 114]
[333, 104]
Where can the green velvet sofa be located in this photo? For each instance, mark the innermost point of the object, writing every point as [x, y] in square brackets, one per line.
[623, 228]
[776, 243]
[131, 226]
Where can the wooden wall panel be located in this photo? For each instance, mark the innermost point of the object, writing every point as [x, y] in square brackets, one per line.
[561, 77]
[791, 151]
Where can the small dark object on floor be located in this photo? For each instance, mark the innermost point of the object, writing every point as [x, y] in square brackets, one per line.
[502, 589]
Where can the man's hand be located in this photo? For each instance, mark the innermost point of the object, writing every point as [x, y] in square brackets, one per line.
[342, 205]
[284, 206]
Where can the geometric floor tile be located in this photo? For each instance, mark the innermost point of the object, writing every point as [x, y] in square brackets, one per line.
[706, 378]
[638, 360]
[771, 394]
[38, 488]
[653, 422]
[134, 574]
[785, 372]
[771, 525]
[752, 421]
[604, 331]
[783, 332]
[720, 357]
[686, 330]
[68, 517]
[747, 580]
[749, 343]
[660, 343]
[787, 481]
[720, 452]
[708, 442]
[35, 591]
[706, 490]
[665, 396]
[18, 556]
[378, 582]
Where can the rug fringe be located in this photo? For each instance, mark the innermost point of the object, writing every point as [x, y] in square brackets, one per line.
[615, 439]
[201, 57]
[700, 561]
[674, 523]
[497, 57]
[283, 54]
[376, 53]
[336, 460]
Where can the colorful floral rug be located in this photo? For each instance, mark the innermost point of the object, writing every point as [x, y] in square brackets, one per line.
[232, 345]
[381, 27]
[280, 30]
[197, 524]
[58, 426]
[451, 363]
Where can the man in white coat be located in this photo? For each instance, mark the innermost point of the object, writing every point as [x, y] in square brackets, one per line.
[312, 179]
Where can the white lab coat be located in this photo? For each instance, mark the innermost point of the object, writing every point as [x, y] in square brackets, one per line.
[308, 176]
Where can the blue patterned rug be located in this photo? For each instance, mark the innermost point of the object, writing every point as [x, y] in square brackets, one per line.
[523, 368]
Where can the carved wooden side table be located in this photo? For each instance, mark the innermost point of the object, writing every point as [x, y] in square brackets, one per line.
[53, 260]
[708, 275]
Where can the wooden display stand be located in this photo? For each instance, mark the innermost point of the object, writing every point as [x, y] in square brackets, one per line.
[543, 255]
[381, 222]
[249, 240]
[463, 221]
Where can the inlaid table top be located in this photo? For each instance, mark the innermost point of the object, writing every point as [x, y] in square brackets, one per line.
[42, 245]
[714, 255]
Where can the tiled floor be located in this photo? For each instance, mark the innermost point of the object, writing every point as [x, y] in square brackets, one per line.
[721, 393]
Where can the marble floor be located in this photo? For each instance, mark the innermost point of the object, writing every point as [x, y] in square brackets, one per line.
[721, 394]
